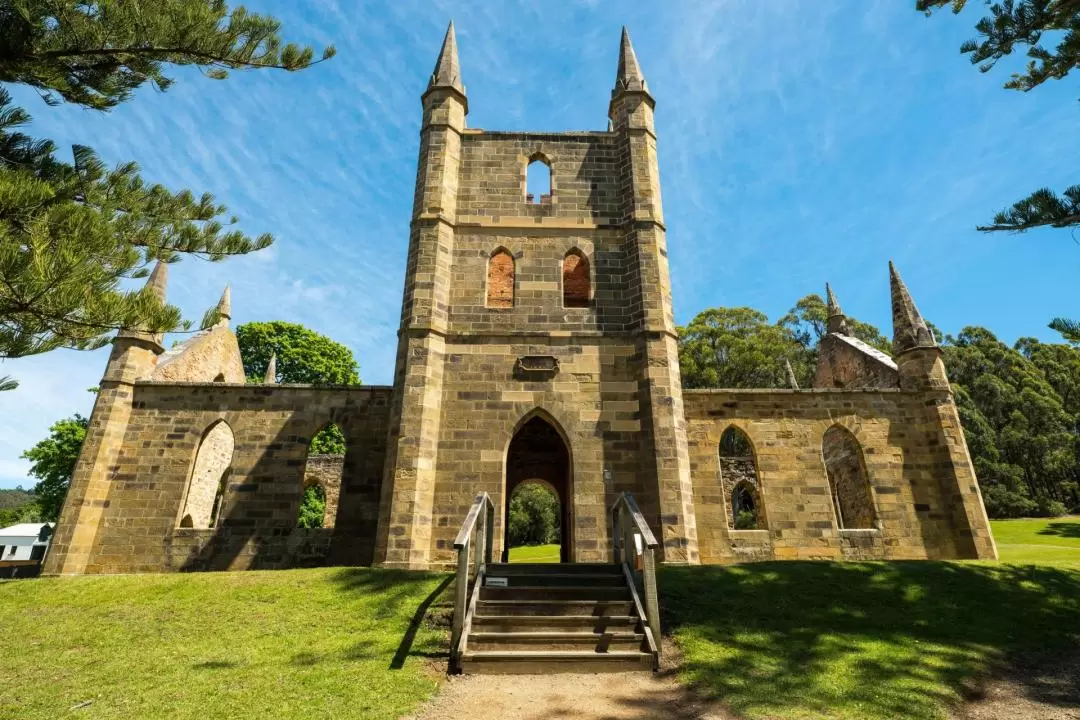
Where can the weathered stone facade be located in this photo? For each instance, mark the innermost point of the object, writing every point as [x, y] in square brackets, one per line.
[537, 342]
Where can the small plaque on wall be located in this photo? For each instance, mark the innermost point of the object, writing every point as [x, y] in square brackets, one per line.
[536, 366]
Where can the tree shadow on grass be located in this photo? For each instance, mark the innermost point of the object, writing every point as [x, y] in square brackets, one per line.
[399, 592]
[867, 640]
[1065, 529]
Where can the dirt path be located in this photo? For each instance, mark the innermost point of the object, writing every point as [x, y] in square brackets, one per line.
[614, 696]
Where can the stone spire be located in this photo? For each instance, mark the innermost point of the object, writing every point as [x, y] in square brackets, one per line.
[157, 284]
[158, 280]
[909, 328]
[792, 382]
[629, 75]
[224, 307]
[447, 69]
[837, 322]
[270, 378]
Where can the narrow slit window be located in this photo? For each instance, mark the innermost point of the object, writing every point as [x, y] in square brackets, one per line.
[575, 280]
[500, 280]
[538, 183]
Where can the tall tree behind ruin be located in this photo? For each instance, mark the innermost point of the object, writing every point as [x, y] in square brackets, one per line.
[1016, 24]
[74, 229]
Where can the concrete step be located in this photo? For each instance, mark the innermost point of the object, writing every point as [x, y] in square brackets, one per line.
[557, 640]
[578, 579]
[555, 592]
[503, 569]
[540, 661]
[527, 623]
[550, 608]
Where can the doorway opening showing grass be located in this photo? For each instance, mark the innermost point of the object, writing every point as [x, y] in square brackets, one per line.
[534, 527]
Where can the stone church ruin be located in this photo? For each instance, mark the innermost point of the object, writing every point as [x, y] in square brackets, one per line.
[537, 343]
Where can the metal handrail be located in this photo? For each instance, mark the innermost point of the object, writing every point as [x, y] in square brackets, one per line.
[626, 522]
[477, 530]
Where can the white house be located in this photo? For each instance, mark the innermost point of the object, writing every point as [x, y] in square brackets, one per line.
[25, 541]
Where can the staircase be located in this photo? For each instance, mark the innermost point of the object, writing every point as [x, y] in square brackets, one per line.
[556, 618]
[544, 618]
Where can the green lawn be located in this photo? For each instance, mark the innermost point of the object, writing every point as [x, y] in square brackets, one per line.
[535, 554]
[328, 642]
[861, 640]
[1039, 540]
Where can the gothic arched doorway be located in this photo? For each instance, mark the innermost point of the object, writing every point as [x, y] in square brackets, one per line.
[538, 454]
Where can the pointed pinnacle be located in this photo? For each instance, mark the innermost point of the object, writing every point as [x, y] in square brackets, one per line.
[224, 306]
[628, 76]
[790, 375]
[909, 328]
[270, 378]
[447, 69]
[837, 322]
[158, 280]
[830, 300]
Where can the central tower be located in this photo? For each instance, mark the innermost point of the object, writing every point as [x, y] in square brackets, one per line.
[545, 307]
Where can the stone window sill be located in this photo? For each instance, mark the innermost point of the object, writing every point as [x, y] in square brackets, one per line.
[758, 535]
[860, 532]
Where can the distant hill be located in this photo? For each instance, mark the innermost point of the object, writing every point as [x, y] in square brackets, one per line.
[15, 498]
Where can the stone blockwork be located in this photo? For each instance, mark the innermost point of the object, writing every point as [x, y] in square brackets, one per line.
[139, 528]
[524, 326]
[904, 450]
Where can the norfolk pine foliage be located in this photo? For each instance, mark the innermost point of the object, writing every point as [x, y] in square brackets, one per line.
[71, 232]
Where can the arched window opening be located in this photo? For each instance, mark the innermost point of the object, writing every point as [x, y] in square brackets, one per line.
[500, 280]
[220, 378]
[322, 479]
[849, 483]
[534, 524]
[212, 461]
[575, 280]
[538, 182]
[740, 482]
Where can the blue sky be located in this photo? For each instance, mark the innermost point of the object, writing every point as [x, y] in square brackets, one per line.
[800, 142]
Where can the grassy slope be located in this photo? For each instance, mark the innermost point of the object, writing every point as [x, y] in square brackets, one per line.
[873, 640]
[1039, 540]
[299, 643]
[535, 554]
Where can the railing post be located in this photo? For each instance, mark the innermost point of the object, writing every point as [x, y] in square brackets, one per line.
[489, 531]
[616, 535]
[462, 592]
[652, 601]
[481, 541]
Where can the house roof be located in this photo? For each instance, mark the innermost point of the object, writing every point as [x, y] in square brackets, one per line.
[23, 533]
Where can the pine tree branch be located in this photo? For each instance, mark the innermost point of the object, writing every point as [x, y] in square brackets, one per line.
[209, 58]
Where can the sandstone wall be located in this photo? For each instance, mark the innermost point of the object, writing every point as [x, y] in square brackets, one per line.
[906, 460]
[272, 426]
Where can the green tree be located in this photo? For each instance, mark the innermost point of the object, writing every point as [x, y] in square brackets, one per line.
[312, 507]
[1019, 409]
[738, 348]
[53, 462]
[534, 516]
[303, 356]
[74, 231]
